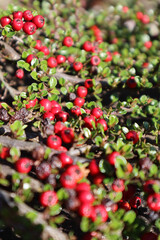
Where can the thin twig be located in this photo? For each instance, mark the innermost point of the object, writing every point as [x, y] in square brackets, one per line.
[10, 52]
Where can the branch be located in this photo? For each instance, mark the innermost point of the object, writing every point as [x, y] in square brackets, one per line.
[11, 90]
[13, 55]
[23, 209]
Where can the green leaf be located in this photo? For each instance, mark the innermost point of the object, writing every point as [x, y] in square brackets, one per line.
[63, 90]
[34, 75]
[55, 210]
[61, 81]
[4, 182]
[129, 217]
[62, 194]
[84, 224]
[98, 140]
[52, 82]
[113, 120]
[69, 105]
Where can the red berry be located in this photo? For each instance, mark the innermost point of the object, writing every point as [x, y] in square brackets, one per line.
[29, 28]
[145, 65]
[103, 123]
[109, 57]
[52, 62]
[27, 15]
[99, 211]
[19, 73]
[97, 112]
[125, 9]
[67, 180]
[38, 21]
[85, 209]
[93, 167]
[77, 66]
[67, 135]
[95, 60]
[62, 149]
[43, 170]
[124, 205]
[17, 24]
[18, 14]
[48, 198]
[129, 193]
[29, 58]
[139, 15]
[5, 21]
[88, 83]
[78, 101]
[49, 115]
[45, 50]
[131, 82]
[149, 236]
[148, 186]
[87, 46]
[53, 141]
[76, 111]
[135, 201]
[111, 158]
[89, 121]
[60, 59]
[61, 116]
[83, 187]
[98, 178]
[32, 103]
[68, 41]
[153, 201]
[132, 136]
[4, 152]
[82, 91]
[23, 165]
[148, 44]
[70, 59]
[118, 185]
[46, 104]
[145, 19]
[65, 159]
[75, 171]
[38, 45]
[55, 104]
[58, 127]
[85, 197]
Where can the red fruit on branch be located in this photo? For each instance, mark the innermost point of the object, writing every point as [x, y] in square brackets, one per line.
[67, 135]
[132, 136]
[87, 46]
[46, 104]
[32, 103]
[60, 59]
[99, 211]
[38, 45]
[5, 21]
[38, 21]
[75, 171]
[111, 158]
[135, 202]
[29, 28]
[131, 82]
[84, 186]
[95, 60]
[61, 116]
[18, 14]
[52, 62]
[65, 159]
[49, 115]
[94, 167]
[103, 123]
[96, 112]
[43, 170]
[118, 185]
[17, 24]
[19, 73]
[58, 127]
[48, 198]
[54, 141]
[67, 180]
[23, 165]
[5, 152]
[153, 201]
[27, 15]
[29, 58]
[89, 121]
[68, 41]
[85, 209]
[88, 83]
[45, 50]
[78, 101]
[86, 197]
[77, 66]
[82, 91]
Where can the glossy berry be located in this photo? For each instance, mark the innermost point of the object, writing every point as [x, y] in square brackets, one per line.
[124, 205]
[153, 201]
[46, 104]
[88, 83]
[23, 165]
[70, 59]
[52, 62]
[84, 186]
[132, 136]
[97, 112]
[75, 171]
[55, 104]
[139, 15]
[58, 127]
[19, 73]
[145, 19]
[54, 141]
[93, 167]
[77, 66]
[65, 159]
[111, 158]
[67, 135]
[18, 14]
[38, 45]
[61, 116]
[32, 103]
[149, 236]
[43, 170]
[45, 50]
[109, 57]
[60, 59]
[89, 121]
[29, 28]
[118, 185]
[85, 209]
[135, 202]
[5, 21]
[4, 152]
[48, 198]
[95, 60]
[98, 178]
[99, 211]
[86, 197]
[27, 15]
[49, 115]
[30, 58]
[148, 44]
[76, 111]
[82, 91]
[68, 41]
[87, 46]
[17, 24]
[103, 123]
[38, 21]
[78, 101]
[131, 82]
[67, 180]
[125, 9]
